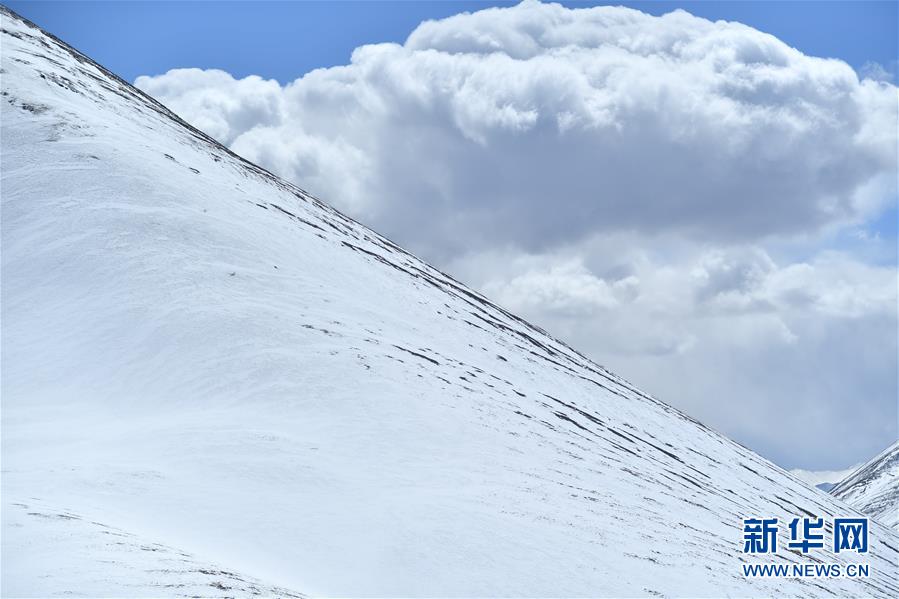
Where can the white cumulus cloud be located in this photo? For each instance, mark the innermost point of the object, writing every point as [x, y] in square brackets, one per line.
[659, 191]
[540, 123]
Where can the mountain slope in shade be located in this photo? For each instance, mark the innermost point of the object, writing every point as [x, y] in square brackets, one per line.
[207, 360]
[874, 487]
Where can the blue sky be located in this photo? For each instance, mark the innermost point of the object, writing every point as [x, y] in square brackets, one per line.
[283, 40]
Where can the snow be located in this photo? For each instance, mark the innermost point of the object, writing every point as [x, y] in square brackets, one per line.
[207, 360]
[101, 558]
[873, 488]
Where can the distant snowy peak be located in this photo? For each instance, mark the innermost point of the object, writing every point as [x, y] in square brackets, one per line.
[874, 487]
[823, 479]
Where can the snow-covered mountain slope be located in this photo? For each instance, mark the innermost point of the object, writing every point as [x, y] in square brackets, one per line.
[874, 487]
[66, 552]
[202, 357]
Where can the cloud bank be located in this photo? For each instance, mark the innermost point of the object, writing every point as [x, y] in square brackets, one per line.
[663, 192]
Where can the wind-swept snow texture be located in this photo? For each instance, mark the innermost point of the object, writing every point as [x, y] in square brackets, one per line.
[874, 487]
[207, 370]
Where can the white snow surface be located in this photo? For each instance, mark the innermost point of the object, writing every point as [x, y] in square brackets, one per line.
[874, 487]
[203, 363]
[65, 553]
